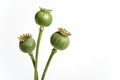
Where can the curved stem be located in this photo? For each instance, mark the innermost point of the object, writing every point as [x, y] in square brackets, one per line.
[37, 51]
[48, 62]
[33, 61]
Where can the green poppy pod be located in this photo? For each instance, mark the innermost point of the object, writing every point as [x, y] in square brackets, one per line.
[27, 43]
[60, 39]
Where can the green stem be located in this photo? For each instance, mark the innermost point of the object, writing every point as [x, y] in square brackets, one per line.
[33, 61]
[32, 58]
[37, 51]
[48, 62]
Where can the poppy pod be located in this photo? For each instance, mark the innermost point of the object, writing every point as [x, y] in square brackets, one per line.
[60, 39]
[43, 17]
[27, 43]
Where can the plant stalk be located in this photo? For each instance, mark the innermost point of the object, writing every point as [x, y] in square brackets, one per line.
[33, 61]
[48, 62]
[37, 51]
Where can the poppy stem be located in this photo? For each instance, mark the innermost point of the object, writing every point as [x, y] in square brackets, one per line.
[48, 62]
[37, 51]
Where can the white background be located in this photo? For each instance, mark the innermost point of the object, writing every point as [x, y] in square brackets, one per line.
[94, 51]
